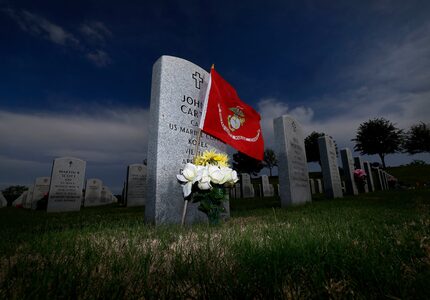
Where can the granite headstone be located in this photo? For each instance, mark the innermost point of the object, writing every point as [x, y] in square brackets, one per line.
[93, 190]
[268, 190]
[330, 170]
[318, 186]
[292, 164]
[136, 185]
[20, 200]
[348, 170]
[368, 170]
[385, 179]
[29, 198]
[247, 186]
[41, 188]
[3, 201]
[358, 162]
[312, 185]
[67, 182]
[178, 89]
[379, 179]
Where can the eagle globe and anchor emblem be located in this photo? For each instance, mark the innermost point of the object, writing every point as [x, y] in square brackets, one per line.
[236, 119]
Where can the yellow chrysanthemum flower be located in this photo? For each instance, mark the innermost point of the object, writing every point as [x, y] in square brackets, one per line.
[212, 158]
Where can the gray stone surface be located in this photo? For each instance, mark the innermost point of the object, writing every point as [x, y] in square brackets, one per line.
[370, 183]
[385, 179]
[237, 190]
[318, 186]
[67, 182]
[329, 167]
[348, 169]
[246, 185]
[105, 195]
[136, 185]
[359, 164]
[292, 164]
[379, 179]
[3, 201]
[29, 197]
[312, 185]
[93, 190]
[268, 190]
[20, 199]
[41, 188]
[178, 89]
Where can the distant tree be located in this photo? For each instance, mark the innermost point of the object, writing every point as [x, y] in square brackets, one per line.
[270, 160]
[12, 192]
[378, 136]
[243, 163]
[312, 149]
[417, 139]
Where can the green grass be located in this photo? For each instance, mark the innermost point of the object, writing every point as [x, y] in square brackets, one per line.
[374, 246]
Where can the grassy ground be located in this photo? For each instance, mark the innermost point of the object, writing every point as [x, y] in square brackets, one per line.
[374, 246]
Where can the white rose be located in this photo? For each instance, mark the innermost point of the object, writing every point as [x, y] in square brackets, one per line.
[216, 175]
[230, 177]
[204, 185]
[227, 173]
[189, 175]
[204, 181]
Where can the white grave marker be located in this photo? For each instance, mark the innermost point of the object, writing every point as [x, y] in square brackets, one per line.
[136, 185]
[93, 190]
[41, 188]
[292, 164]
[348, 169]
[330, 170]
[268, 189]
[247, 186]
[178, 89]
[67, 182]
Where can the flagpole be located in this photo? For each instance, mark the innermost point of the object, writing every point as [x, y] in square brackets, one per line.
[196, 151]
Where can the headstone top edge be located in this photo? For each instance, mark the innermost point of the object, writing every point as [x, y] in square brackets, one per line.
[136, 165]
[69, 157]
[93, 178]
[171, 58]
[285, 117]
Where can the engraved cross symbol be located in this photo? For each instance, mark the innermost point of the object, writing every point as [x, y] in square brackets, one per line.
[198, 78]
[70, 164]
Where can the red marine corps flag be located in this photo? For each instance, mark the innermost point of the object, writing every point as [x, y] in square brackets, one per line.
[229, 119]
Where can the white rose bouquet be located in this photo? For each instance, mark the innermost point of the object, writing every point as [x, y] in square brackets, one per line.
[205, 181]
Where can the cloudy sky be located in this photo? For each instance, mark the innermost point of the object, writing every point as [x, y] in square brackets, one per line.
[75, 76]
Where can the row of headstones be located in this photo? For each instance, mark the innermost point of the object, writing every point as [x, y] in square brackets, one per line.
[294, 182]
[371, 183]
[65, 188]
[245, 189]
[28, 199]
